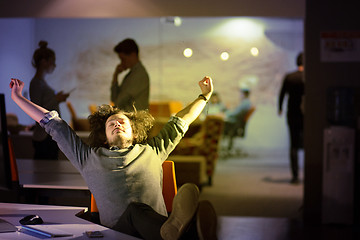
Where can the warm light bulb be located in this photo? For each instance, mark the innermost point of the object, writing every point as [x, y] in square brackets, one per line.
[177, 21]
[224, 56]
[254, 51]
[188, 52]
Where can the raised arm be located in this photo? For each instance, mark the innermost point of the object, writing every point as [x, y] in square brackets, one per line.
[34, 111]
[193, 110]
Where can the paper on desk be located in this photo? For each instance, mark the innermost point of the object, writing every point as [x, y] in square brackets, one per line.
[46, 230]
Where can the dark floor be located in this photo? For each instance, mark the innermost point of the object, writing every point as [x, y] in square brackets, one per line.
[254, 191]
[255, 185]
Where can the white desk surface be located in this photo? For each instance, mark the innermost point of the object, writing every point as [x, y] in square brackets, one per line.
[58, 217]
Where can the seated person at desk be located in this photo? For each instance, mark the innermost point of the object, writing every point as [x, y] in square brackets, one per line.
[216, 106]
[235, 119]
[123, 168]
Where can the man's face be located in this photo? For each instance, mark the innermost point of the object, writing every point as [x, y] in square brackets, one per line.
[125, 60]
[118, 131]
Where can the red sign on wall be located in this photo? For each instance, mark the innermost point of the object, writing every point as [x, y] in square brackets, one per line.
[340, 46]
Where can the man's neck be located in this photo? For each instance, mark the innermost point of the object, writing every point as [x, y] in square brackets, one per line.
[134, 62]
[120, 146]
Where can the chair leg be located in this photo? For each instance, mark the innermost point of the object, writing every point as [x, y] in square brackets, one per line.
[224, 145]
[210, 181]
[230, 144]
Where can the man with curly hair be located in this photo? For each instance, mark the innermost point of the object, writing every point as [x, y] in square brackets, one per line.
[123, 168]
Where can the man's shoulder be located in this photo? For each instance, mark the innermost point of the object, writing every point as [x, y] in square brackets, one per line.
[294, 76]
[295, 73]
[139, 70]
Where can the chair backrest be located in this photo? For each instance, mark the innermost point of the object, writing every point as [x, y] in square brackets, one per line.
[164, 108]
[249, 113]
[15, 186]
[169, 183]
[13, 165]
[93, 206]
[92, 108]
[78, 124]
[242, 129]
[169, 187]
[71, 110]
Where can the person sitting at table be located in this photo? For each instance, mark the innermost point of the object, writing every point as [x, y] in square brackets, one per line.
[216, 106]
[235, 120]
[123, 168]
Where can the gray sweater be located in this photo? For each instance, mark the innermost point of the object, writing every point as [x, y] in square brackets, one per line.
[118, 177]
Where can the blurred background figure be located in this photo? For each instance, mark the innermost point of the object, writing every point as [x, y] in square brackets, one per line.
[42, 94]
[13, 125]
[216, 106]
[135, 87]
[235, 120]
[293, 87]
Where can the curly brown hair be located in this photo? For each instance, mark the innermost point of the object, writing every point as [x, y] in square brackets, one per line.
[141, 124]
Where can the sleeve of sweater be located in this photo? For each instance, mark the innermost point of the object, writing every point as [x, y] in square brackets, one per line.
[67, 140]
[169, 136]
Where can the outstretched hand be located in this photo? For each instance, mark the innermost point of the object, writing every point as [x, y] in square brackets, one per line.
[193, 110]
[36, 112]
[16, 86]
[206, 86]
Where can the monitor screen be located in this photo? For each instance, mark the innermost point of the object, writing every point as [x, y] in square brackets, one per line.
[5, 170]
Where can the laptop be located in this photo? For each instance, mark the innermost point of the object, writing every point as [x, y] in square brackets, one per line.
[5, 226]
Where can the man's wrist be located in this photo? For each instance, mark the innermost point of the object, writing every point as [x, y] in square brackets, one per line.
[49, 116]
[203, 97]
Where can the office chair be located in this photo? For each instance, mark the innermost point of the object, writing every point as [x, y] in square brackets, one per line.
[78, 124]
[13, 165]
[169, 191]
[15, 191]
[205, 143]
[92, 108]
[238, 131]
[169, 184]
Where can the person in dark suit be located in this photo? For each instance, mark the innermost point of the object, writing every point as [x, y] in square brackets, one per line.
[293, 87]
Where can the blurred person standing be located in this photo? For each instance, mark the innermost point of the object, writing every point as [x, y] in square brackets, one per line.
[293, 87]
[42, 94]
[135, 87]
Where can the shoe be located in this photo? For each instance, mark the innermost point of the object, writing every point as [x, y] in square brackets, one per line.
[184, 207]
[206, 221]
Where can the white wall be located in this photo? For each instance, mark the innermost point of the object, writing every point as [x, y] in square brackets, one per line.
[85, 60]
[16, 49]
